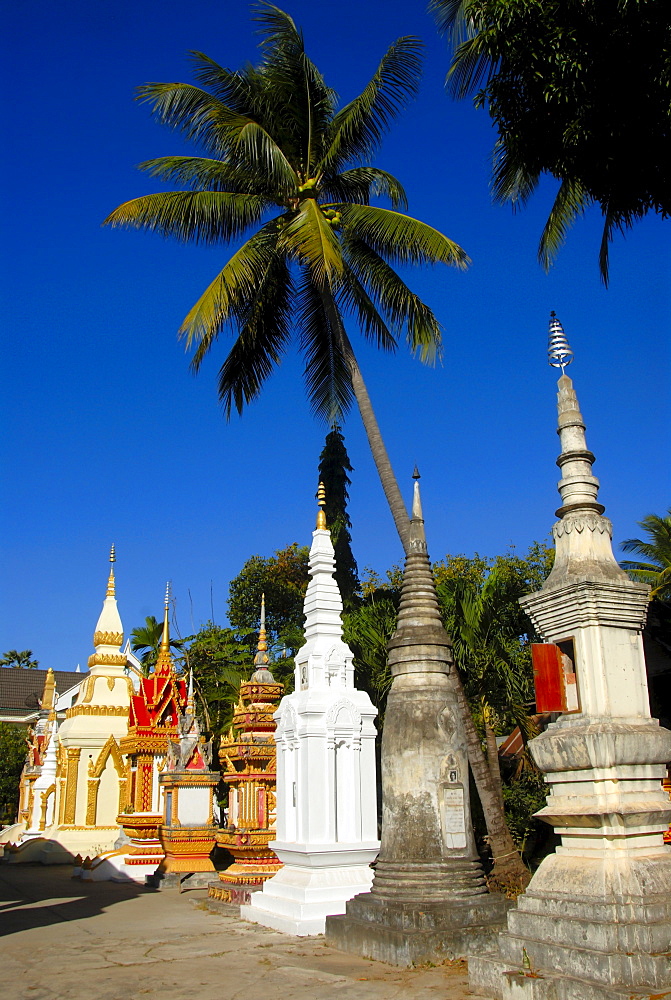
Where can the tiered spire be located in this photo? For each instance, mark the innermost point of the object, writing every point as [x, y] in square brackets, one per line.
[164, 660]
[583, 535]
[108, 634]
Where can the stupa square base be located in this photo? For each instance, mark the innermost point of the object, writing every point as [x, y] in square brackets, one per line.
[300, 897]
[614, 944]
[412, 933]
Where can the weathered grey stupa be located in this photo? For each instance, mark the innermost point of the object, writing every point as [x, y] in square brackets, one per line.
[595, 921]
[429, 899]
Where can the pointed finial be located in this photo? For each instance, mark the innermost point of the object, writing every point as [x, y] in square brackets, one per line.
[111, 592]
[321, 514]
[165, 639]
[261, 658]
[189, 700]
[559, 352]
[417, 514]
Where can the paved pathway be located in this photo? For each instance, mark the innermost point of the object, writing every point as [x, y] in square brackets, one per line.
[62, 939]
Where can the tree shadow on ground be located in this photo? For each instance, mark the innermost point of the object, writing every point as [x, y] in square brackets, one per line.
[36, 895]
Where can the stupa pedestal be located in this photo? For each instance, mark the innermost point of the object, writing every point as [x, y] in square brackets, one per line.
[326, 790]
[595, 921]
[429, 901]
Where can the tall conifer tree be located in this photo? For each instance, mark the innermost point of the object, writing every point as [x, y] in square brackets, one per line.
[334, 464]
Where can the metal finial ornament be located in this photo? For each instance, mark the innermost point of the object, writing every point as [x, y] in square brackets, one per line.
[559, 352]
[111, 586]
[415, 474]
[167, 595]
[321, 514]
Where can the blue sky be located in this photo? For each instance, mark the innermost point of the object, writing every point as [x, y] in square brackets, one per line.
[110, 438]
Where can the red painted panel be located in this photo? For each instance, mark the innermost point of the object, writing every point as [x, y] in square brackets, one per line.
[548, 677]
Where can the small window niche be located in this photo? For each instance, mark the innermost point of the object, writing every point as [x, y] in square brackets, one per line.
[555, 677]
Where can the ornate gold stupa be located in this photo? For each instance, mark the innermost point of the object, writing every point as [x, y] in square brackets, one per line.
[247, 756]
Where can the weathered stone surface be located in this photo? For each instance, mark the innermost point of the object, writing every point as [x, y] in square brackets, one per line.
[429, 900]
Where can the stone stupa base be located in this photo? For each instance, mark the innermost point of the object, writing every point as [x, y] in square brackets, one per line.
[606, 936]
[420, 913]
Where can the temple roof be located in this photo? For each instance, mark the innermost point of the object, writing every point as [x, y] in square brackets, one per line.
[21, 690]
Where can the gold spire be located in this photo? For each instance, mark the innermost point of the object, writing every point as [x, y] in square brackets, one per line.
[164, 658]
[321, 514]
[261, 658]
[110, 583]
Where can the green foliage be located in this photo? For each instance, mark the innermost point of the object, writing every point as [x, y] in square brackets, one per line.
[146, 639]
[334, 464]
[220, 658]
[523, 795]
[283, 578]
[656, 570]
[367, 630]
[19, 658]
[272, 137]
[13, 749]
[578, 89]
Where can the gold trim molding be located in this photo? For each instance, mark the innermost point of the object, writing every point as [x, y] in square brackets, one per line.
[107, 638]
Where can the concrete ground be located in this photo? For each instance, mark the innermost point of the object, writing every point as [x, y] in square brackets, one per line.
[62, 939]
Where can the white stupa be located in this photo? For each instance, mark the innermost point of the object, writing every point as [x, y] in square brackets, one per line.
[326, 780]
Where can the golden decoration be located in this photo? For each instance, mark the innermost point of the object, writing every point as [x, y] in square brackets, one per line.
[92, 800]
[107, 660]
[49, 691]
[96, 710]
[86, 691]
[107, 638]
[321, 514]
[73, 755]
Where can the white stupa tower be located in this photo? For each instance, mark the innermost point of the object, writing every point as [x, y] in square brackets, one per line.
[326, 779]
[92, 774]
[595, 920]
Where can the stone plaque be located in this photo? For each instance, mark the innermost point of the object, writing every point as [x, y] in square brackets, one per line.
[453, 818]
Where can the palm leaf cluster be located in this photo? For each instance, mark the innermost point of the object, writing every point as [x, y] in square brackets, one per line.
[655, 568]
[285, 173]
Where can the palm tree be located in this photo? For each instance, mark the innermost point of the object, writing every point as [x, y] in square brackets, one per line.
[19, 658]
[657, 550]
[147, 638]
[280, 159]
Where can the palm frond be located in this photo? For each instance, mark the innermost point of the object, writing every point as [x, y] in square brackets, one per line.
[310, 240]
[399, 305]
[265, 321]
[358, 129]
[222, 131]
[400, 238]
[327, 370]
[353, 297]
[234, 88]
[361, 183]
[570, 202]
[225, 297]
[511, 179]
[191, 216]
[202, 173]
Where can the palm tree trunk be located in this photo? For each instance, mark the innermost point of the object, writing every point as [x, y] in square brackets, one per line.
[509, 873]
[492, 749]
[380, 457]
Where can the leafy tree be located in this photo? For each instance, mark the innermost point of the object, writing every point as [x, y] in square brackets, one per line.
[283, 578]
[19, 658]
[656, 570]
[220, 658]
[282, 160]
[147, 640]
[334, 464]
[367, 630]
[578, 89]
[13, 750]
